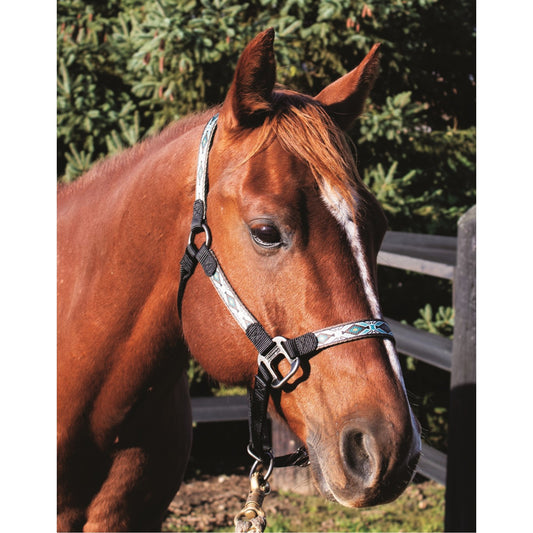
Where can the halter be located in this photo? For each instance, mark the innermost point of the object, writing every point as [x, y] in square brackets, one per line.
[270, 350]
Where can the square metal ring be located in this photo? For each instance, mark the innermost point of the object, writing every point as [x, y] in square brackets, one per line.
[269, 358]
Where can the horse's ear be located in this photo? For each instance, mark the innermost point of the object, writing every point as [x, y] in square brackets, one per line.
[250, 95]
[344, 99]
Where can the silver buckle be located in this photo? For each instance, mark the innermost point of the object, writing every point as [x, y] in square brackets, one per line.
[272, 355]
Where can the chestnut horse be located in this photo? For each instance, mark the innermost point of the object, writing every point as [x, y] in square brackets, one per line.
[297, 234]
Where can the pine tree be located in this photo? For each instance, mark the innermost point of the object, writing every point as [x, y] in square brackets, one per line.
[126, 68]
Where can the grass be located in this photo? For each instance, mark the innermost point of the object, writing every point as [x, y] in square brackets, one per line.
[420, 508]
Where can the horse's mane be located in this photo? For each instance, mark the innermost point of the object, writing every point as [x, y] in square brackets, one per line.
[304, 128]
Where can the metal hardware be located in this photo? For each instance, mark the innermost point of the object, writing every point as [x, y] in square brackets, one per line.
[253, 509]
[260, 462]
[204, 228]
[272, 355]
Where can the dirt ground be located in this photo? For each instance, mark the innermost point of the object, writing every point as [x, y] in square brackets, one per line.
[210, 502]
[207, 504]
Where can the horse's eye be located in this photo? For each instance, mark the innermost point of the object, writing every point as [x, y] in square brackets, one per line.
[266, 235]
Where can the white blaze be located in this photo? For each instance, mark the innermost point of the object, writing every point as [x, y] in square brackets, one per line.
[338, 207]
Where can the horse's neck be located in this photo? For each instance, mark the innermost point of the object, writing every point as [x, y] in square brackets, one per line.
[159, 166]
[122, 230]
[121, 234]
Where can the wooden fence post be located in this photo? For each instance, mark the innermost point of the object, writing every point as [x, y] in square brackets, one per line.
[461, 468]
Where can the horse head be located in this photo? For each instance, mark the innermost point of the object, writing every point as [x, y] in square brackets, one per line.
[297, 234]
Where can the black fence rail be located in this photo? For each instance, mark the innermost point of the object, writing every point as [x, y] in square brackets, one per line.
[452, 258]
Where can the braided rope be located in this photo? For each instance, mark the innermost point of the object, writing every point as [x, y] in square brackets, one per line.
[254, 525]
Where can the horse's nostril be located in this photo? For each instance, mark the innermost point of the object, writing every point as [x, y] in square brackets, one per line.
[357, 453]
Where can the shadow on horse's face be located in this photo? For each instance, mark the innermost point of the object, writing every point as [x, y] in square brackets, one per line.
[297, 235]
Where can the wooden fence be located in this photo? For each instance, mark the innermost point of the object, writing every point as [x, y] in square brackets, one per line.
[452, 258]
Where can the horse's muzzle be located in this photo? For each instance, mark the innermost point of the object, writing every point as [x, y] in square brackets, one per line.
[373, 462]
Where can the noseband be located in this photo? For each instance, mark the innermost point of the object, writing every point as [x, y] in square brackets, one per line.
[270, 350]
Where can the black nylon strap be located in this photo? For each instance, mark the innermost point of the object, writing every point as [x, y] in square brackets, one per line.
[198, 211]
[259, 337]
[187, 266]
[258, 405]
[190, 259]
[207, 260]
[298, 458]
[301, 346]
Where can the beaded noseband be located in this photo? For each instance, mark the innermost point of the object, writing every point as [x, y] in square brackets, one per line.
[270, 350]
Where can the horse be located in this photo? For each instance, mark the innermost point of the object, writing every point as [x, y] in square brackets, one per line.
[297, 234]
